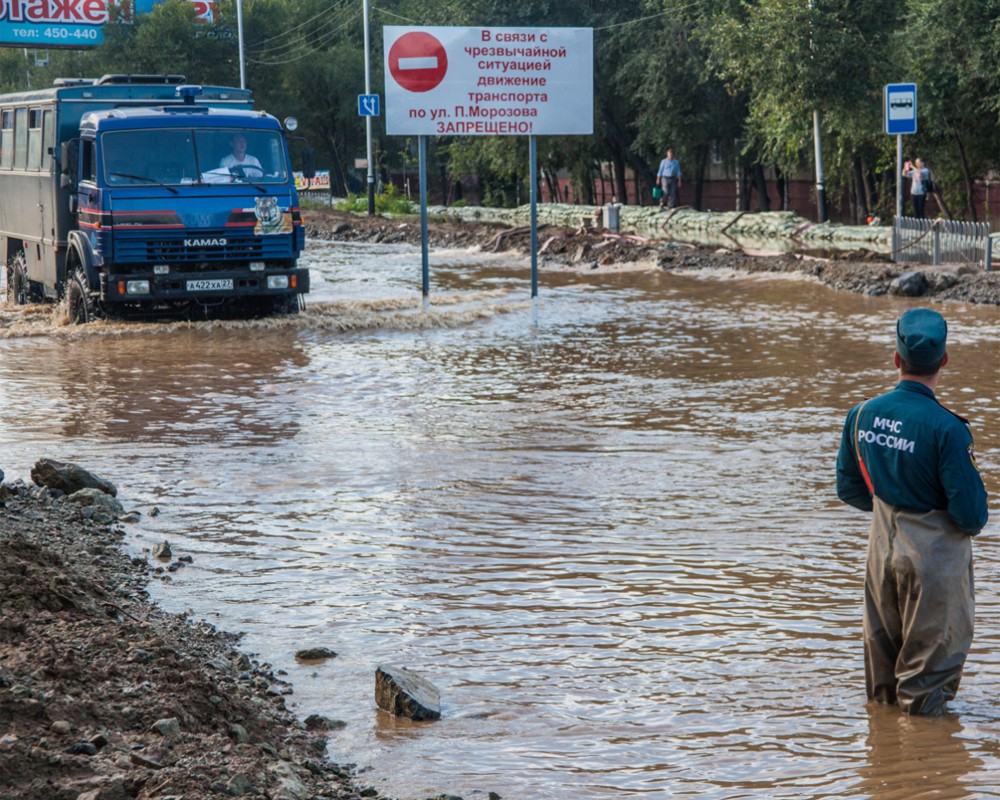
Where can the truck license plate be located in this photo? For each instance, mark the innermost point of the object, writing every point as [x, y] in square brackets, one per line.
[218, 285]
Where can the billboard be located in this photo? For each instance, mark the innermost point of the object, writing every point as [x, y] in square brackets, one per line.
[321, 181]
[442, 81]
[72, 23]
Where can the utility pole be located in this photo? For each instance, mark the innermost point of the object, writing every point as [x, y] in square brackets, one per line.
[239, 34]
[368, 119]
[820, 187]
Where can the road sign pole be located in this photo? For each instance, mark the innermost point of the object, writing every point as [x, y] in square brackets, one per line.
[899, 174]
[533, 194]
[368, 119]
[424, 256]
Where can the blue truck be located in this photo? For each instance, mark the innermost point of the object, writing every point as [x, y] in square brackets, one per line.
[144, 196]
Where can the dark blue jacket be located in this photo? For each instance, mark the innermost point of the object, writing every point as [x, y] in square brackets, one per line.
[918, 455]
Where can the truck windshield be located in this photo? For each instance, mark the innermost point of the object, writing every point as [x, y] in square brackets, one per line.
[184, 156]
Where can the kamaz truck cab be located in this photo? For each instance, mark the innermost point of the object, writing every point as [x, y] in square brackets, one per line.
[154, 198]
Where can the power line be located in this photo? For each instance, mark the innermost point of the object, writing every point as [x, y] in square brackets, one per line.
[640, 19]
[600, 28]
[313, 47]
[296, 43]
[673, 10]
[397, 16]
[302, 24]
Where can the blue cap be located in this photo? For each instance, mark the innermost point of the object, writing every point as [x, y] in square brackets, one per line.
[920, 337]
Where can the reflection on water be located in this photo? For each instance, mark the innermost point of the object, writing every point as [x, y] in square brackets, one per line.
[916, 756]
[611, 540]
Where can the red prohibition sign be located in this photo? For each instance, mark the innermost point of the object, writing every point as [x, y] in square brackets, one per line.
[418, 61]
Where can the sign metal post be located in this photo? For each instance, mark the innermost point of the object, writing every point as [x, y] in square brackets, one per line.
[425, 270]
[368, 118]
[533, 194]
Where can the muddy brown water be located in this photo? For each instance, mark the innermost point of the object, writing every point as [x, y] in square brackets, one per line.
[611, 540]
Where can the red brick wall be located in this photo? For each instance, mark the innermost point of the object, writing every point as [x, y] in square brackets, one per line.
[720, 195]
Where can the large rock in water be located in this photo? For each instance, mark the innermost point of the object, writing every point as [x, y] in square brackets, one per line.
[402, 692]
[910, 284]
[100, 500]
[68, 478]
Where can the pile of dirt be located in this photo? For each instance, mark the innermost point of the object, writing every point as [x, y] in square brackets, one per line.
[104, 696]
[594, 249]
[342, 226]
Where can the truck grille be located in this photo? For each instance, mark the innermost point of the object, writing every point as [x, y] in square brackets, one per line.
[176, 250]
[136, 248]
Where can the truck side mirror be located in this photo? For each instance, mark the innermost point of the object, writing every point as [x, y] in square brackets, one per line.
[68, 159]
[308, 163]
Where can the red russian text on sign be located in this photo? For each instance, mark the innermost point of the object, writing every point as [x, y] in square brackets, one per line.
[418, 62]
[461, 81]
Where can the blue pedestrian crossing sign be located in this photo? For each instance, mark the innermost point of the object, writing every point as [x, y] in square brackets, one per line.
[368, 105]
[900, 108]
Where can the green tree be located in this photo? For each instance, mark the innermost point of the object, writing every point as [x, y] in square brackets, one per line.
[166, 41]
[791, 58]
[949, 49]
[663, 93]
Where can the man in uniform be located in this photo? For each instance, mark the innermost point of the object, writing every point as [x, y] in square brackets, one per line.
[910, 461]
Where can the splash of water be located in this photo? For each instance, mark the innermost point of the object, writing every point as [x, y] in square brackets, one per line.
[395, 313]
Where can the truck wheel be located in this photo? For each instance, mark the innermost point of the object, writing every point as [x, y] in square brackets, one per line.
[282, 306]
[81, 310]
[17, 282]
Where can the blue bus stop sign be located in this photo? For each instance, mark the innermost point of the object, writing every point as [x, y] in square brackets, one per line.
[900, 108]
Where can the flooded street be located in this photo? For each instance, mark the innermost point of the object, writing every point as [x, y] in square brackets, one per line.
[611, 540]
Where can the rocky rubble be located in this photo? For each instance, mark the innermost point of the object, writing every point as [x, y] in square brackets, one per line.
[104, 696]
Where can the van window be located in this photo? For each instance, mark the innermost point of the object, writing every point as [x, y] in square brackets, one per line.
[48, 139]
[88, 164]
[7, 139]
[20, 138]
[35, 139]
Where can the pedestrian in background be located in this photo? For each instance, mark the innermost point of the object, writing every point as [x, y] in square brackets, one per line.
[910, 461]
[920, 185]
[669, 176]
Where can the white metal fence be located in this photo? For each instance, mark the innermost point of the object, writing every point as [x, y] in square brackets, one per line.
[941, 241]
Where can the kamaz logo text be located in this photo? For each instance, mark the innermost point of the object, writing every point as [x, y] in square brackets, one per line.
[204, 242]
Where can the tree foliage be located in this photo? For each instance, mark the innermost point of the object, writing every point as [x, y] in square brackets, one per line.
[738, 79]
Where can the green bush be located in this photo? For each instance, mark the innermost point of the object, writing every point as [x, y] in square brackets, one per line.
[460, 203]
[389, 202]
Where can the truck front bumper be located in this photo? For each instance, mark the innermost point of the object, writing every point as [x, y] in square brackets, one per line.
[203, 287]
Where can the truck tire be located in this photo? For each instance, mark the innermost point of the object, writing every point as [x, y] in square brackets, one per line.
[18, 289]
[81, 308]
[283, 306]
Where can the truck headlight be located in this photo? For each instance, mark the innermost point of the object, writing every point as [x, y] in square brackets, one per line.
[277, 281]
[137, 287]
